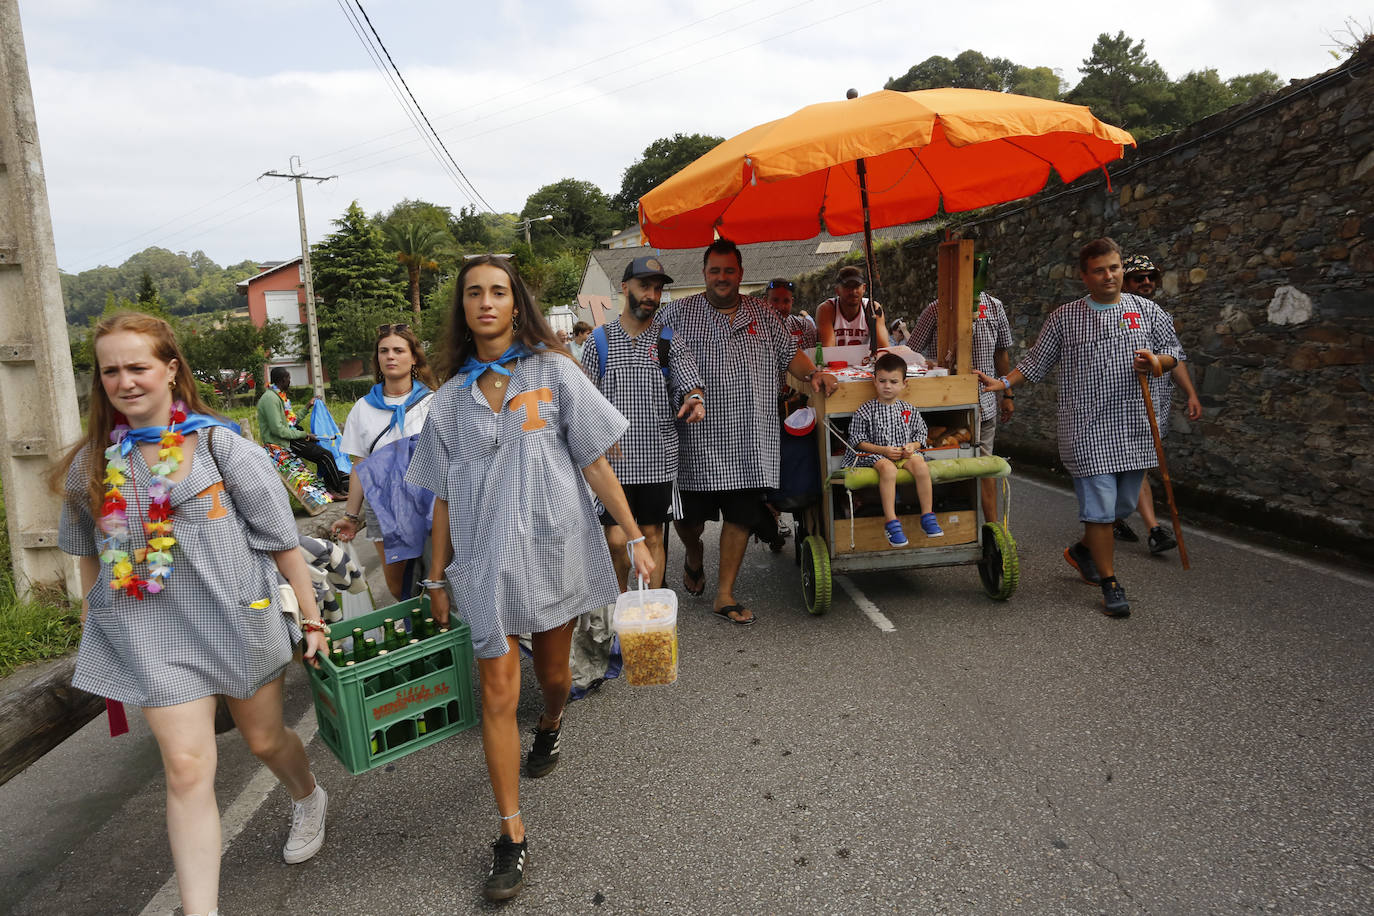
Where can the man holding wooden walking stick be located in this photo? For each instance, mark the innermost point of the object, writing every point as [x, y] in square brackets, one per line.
[1098, 344]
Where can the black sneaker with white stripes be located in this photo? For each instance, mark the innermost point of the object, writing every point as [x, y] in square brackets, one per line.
[544, 754]
[507, 875]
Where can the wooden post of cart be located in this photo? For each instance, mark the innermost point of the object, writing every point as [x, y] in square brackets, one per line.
[955, 343]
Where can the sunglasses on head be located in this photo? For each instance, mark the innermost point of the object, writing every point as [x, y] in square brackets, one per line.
[384, 329]
[781, 284]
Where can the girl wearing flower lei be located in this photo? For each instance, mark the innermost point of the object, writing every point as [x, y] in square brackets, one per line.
[182, 531]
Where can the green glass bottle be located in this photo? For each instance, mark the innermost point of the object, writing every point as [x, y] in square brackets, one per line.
[357, 653]
[369, 649]
[338, 657]
[389, 634]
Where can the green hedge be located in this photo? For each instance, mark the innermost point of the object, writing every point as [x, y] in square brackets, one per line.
[350, 390]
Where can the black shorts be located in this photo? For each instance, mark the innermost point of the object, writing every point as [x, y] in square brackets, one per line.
[739, 507]
[650, 503]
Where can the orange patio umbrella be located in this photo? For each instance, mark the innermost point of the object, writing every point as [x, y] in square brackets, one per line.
[879, 160]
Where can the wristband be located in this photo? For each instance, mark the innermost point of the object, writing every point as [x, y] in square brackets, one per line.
[314, 626]
[431, 584]
[1006, 385]
[352, 517]
[696, 397]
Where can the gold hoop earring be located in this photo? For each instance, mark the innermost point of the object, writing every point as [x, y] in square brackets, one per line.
[515, 321]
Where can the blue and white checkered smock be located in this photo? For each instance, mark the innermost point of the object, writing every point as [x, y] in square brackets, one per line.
[199, 636]
[528, 552]
[633, 381]
[736, 446]
[991, 332]
[1162, 389]
[1102, 424]
[898, 423]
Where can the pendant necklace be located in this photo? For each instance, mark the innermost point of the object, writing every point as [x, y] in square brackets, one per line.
[497, 383]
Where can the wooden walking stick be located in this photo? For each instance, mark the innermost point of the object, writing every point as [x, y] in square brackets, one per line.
[1157, 370]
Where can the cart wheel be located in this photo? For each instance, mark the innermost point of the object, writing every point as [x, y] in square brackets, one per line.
[815, 566]
[999, 569]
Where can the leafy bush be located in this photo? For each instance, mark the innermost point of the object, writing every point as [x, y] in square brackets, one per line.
[209, 395]
[350, 390]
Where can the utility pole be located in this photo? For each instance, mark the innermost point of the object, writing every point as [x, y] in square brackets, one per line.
[39, 416]
[312, 326]
[537, 219]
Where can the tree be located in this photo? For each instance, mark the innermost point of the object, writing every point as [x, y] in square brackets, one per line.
[1124, 87]
[661, 160]
[581, 213]
[226, 346]
[147, 291]
[1040, 82]
[353, 278]
[352, 264]
[971, 70]
[420, 238]
[1248, 85]
[1197, 95]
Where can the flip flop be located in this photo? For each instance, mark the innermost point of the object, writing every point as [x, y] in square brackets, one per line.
[725, 612]
[698, 574]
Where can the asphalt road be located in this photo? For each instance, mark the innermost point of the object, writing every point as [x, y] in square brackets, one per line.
[1210, 754]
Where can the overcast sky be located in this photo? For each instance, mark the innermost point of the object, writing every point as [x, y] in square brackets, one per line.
[157, 116]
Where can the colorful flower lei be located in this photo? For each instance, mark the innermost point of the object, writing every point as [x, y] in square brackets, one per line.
[114, 519]
[286, 406]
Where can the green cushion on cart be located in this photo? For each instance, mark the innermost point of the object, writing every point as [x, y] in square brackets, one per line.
[941, 471]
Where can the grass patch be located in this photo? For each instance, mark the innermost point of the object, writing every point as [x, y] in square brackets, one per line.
[32, 629]
[35, 628]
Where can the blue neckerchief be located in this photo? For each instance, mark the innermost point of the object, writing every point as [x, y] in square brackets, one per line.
[193, 422]
[474, 367]
[377, 399]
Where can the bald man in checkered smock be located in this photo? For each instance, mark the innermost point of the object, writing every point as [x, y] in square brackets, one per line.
[199, 636]
[528, 551]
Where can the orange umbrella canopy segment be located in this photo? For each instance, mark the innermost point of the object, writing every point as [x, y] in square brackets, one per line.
[957, 148]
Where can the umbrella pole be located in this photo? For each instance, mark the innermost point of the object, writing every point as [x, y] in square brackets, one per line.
[869, 313]
[1163, 462]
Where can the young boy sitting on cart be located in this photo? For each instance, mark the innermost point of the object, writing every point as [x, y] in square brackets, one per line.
[884, 431]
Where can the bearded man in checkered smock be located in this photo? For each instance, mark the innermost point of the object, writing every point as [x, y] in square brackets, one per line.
[1098, 344]
[728, 460]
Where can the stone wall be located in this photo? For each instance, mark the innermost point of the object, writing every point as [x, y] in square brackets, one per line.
[1262, 221]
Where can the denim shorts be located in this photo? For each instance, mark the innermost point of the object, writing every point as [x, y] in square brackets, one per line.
[1104, 498]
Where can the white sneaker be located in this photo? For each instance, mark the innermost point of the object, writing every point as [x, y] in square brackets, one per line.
[307, 827]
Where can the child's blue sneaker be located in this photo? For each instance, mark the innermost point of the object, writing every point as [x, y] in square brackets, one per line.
[895, 535]
[930, 526]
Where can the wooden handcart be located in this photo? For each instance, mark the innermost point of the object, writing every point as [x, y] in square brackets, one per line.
[829, 543]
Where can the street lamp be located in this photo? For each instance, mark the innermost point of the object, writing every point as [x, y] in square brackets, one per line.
[525, 224]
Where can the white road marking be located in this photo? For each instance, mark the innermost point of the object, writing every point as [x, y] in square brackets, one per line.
[868, 607]
[1312, 565]
[235, 817]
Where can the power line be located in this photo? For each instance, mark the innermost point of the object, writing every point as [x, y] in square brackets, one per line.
[413, 108]
[639, 82]
[392, 85]
[418, 108]
[658, 38]
[630, 67]
[93, 258]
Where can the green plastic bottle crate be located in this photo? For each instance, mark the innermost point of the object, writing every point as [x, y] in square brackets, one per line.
[433, 686]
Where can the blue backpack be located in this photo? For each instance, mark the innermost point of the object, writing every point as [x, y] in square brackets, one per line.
[665, 344]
